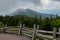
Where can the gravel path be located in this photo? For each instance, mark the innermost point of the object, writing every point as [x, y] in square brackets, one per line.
[13, 37]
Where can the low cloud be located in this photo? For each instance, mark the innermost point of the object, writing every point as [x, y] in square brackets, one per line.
[7, 6]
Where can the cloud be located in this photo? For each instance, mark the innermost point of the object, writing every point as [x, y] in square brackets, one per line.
[36, 2]
[49, 4]
[55, 0]
[7, 6]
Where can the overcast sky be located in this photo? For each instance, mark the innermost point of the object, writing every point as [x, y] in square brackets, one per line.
[44, 6]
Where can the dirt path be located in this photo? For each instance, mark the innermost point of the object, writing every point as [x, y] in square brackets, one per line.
[13, 37]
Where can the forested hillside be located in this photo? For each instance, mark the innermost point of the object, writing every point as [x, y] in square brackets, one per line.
[45, 24]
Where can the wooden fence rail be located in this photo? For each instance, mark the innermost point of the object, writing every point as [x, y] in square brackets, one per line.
[38, 33]
[35, 32]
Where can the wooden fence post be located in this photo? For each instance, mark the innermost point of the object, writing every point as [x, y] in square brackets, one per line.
[54, 33]
[3, 27]
[6, 28]
[37, 31]
[37, 27]
[23, 25]
[34, 33]
[20, 29]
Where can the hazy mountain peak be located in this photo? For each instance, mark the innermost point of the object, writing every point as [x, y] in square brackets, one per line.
[29, 12]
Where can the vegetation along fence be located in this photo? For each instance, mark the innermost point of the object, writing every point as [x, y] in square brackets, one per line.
[35, 33]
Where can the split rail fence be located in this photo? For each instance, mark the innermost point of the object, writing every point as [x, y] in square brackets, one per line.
[35, 33]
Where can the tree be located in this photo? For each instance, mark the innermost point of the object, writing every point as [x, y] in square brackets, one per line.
[40, 22]
[46, 24]
[56, 23]
[36, 20]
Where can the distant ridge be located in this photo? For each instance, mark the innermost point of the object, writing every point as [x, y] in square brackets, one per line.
[30, 13]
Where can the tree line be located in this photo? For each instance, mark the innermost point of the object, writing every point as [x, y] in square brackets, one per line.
[45, 24]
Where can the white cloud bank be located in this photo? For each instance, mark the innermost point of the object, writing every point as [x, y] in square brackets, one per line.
[7, 6]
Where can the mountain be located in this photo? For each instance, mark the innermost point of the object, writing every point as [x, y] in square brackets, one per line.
[30, 13]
